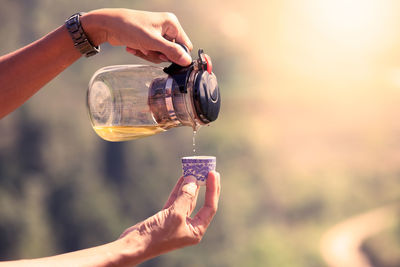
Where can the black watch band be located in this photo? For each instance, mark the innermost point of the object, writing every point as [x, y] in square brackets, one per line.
[79, 37]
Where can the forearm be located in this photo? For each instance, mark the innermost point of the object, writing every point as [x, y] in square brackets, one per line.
[120, 253]
[25, 71]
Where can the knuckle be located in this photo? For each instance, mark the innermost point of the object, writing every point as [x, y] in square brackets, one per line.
[197, 240]
[197, 237]
[188, 194]
[213, 210]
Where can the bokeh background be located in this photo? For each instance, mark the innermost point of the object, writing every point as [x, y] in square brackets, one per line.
[307, 142]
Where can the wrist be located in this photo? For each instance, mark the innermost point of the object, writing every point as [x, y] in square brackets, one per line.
[94, 24]
[134, 248]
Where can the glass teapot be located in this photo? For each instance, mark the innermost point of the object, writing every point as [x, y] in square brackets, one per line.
[126, 102]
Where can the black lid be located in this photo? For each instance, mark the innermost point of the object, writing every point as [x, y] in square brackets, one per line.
[206, 96]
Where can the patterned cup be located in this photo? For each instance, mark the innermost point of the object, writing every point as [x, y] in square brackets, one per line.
[199, 167]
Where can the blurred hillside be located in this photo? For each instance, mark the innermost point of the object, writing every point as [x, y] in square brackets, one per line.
[308, 134]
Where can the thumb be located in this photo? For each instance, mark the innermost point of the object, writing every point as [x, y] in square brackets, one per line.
[175, 53]
[186, 195]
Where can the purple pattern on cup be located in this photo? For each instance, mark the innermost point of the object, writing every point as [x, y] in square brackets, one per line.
[199, 167]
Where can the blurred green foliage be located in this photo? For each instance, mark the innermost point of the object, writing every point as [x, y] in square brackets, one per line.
[62, 188]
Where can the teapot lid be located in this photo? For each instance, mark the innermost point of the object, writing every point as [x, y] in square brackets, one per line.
[206, 95]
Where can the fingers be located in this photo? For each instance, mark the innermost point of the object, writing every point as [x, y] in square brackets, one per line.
[157, 39]
[163, 58]
[182, 38]
[174, 193]
[172, 36]
[174, 32]
[194, 202]
[186, 195]
[207, 212]
[174, 52]
[151, 56]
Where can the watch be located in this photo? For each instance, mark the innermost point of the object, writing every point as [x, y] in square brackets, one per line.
[79, 37]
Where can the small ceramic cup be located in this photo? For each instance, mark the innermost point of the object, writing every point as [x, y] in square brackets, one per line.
[199, 167]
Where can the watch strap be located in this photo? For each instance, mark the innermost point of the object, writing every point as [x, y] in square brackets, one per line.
[79, 37]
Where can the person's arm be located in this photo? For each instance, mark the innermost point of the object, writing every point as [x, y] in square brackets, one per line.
[145, 34]
[25, 71]
[117, 254]
[169, 229]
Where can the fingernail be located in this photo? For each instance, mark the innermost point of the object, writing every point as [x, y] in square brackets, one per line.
[187, 58]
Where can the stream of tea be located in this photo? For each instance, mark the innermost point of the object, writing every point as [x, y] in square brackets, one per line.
[194, 141]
